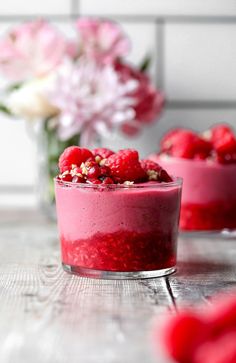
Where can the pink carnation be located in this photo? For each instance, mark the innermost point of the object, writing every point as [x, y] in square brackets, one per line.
[149, 100]
[32, 49]
[91, 99]
[102, 41]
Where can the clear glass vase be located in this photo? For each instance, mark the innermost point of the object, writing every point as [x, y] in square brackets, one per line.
[49, 148]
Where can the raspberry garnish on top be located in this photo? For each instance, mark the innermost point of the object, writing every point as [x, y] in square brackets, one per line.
[103, 152]
[217, 143]
[73, 155]
[125, 165]
[186, 144]
[224, 142]
[79, 165]
[155, 172]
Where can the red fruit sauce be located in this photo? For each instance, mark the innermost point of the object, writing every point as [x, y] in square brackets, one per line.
[121, 251]
[213, 216]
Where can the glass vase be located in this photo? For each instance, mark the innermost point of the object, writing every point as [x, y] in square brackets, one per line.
[49, 148]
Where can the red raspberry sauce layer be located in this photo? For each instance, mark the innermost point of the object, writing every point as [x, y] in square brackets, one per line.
[213, 216]
[121, 251]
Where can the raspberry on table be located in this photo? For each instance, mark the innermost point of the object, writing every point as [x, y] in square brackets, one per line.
[125, 165]
[73, 155]
[183, 335]
[203, 337]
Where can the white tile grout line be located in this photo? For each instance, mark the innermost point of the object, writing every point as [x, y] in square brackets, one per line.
[74, 7]
[18, 188]
[129, 18]
[200, 104]
[159, 55]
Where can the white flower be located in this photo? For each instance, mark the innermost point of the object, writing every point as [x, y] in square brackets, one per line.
[30, 101]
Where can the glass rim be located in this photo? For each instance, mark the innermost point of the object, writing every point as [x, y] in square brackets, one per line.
[178, 181]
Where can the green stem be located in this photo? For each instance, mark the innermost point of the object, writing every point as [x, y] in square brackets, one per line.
[55, 147]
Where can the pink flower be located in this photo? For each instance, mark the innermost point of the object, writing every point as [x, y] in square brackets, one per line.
[32, 49]
[149, 100]
[91, 99]
[102, 41]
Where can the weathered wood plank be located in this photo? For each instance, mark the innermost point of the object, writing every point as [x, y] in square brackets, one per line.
[206, 266]
[49, 316]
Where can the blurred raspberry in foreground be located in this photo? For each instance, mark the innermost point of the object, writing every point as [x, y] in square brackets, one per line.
[202, 337]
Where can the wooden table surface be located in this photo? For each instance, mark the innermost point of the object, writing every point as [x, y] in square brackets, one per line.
[49, 316]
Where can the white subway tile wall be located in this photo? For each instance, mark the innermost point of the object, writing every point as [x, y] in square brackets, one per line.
[34, 8]
[192, 45]
[144, 39]
[200, 62]
[158, 7]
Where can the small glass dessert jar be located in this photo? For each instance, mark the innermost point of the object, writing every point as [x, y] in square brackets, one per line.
[207, 163]
[118, 231]
[209, 193]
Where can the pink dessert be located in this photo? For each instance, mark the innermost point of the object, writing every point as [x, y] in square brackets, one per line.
[208, 169]
[127, 224]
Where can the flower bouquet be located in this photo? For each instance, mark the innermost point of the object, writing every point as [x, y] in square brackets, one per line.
[74, 90]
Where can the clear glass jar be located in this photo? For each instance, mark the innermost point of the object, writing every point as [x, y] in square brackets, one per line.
[209, 193]
[118, 231]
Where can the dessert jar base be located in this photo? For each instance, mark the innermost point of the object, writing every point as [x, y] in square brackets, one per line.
[115, 275]
[209, 217]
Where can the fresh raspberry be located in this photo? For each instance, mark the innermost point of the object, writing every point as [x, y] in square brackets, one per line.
[181, 144]
[168, 139]
[220, 132]
[224, 143]
[164, 176]
[73, 155]
[152, 169]
[206, 338]
[149, 165]
[203, 148]
[182, 336]
[155, 172]
[126, 166]
[103, 152]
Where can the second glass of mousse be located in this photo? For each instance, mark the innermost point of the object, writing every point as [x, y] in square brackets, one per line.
[207, 164]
